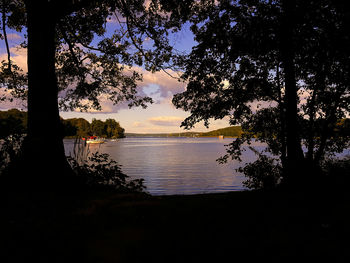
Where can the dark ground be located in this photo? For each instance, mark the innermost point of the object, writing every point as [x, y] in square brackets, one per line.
[232, 227]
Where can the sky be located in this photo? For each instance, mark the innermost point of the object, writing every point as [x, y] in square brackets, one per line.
[159, 117]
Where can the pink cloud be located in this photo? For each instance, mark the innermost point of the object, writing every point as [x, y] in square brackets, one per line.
[18, 56]
[13, 36]
[168, 83]
[166, 120]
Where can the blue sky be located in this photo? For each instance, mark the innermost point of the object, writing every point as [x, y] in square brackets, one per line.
[159, 117]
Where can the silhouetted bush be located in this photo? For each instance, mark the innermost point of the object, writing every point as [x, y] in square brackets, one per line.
[10, 149]
[264, 173]
[95, 170]
[99, 171]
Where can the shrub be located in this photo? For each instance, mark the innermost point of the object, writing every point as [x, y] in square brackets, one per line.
[98, 170]
[264, 173]
[10, 149]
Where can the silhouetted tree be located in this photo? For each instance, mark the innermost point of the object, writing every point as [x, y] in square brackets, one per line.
[73, 60]
[279, 68]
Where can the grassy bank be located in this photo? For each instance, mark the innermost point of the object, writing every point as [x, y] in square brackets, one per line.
[105, 227]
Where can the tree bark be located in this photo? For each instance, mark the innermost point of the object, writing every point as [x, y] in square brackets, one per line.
[294, 152]
[43, 149]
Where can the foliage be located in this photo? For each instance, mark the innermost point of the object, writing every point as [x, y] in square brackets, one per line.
[233, 131]
[264, 173]
[15, 122]
[112, 129]
[278, 68]
[98, 44]
[250, 61]
[13, 80]
[82, 128]
[76, 127]
[12, 122]
[97, 170]
[10, 150]
[79, 53]
[94, 60]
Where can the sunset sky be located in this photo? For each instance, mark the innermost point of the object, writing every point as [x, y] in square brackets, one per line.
[159, 117]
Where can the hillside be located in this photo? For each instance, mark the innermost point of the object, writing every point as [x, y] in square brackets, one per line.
[233, 131]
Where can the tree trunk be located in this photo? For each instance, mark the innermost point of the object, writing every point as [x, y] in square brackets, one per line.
[43, 149]
[294, 152]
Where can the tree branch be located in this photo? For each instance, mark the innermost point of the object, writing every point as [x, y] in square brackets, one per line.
[66, 7]
[70, 46]
[7, 44]
[129, 16]
[5, 35]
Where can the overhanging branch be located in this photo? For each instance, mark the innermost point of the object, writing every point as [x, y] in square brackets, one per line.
[5, 35]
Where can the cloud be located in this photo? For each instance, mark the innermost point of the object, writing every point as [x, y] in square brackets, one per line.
[107, 106]
[166, 120]
[18, 55]
[10, 104]
[13, 36]
[138, 124]
[168, 82]
[160, 86]
[167, 86]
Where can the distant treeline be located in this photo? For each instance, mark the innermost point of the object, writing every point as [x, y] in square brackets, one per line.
[342, 129]
[233, 131]
[15, 121]
[80, 127]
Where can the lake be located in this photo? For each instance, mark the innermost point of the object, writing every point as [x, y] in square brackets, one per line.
[175, 165]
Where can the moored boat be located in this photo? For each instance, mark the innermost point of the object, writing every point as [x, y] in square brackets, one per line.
[94, 140]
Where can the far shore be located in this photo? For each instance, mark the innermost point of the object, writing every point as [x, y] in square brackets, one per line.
[158, 136]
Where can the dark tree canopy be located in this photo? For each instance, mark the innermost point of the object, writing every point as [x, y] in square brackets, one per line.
[78, 51]
[279, 68]
[97, 44]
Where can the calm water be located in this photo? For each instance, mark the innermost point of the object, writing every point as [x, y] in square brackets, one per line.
[175, 165]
